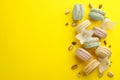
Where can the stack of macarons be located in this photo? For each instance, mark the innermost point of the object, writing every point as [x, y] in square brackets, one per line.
[90, 39]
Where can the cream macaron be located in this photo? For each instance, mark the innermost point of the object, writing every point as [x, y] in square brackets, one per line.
[103, 52]
[82, 25]
[91, 66]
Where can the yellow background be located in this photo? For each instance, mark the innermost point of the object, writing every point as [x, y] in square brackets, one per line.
[34, 40]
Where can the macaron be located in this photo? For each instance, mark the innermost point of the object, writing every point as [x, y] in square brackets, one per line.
[99, 32]
[83, 54]
[96, 14]
[82, 25]
[78, 12]
[103, 52]
[91, 66]
[91, 43]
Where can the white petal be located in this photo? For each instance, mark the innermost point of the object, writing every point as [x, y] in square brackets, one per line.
[107, 24]
[104, 64]
[78, 36]
[84, 35]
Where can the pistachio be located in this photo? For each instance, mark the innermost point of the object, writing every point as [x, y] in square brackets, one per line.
[90, 6]
[74, 23]
[70, 47]
[74, 66]
[67, 12]
[100, 75]
[66, 24]
[109, 46]
[74, 43]
[105, 43]
[100, 6]
[78, 75]
[110, 74]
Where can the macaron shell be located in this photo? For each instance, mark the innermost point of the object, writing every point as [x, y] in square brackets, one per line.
[78, 12]
[81, 11]
[92, 39]
[97, 11]
[83, 54]
[99, 32]
[96, 16]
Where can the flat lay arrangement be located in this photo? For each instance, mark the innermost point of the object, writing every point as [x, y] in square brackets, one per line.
[59, 40]
[91, 39]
